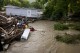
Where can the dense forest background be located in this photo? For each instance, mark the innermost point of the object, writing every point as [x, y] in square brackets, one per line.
[53, 9]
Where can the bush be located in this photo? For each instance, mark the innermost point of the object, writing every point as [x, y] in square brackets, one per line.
[57, 15]
[58, 38]
[76, 27]
[69, 39]
[70, 25]
[60, 26]
[78, 37]
[75, 16]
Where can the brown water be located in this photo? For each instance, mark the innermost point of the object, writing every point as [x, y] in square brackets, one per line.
[42, 41]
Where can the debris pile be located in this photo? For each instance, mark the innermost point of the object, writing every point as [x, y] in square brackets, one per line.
[13, 28]
[9, 30]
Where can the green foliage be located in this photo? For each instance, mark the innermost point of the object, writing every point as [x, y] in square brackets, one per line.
[75, 5]
[15, 3]
[61, 5]
[63, 26]
[60, 26]
[20, 3]
[49, 9]
[76, 27]
[54, 7]
[25, 3]
[36, 5]
[78, 37]
[42, 1]
[1, 4]
[69, 39]
[57, 15]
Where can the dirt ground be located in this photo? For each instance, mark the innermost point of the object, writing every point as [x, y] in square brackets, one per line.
[42, 41]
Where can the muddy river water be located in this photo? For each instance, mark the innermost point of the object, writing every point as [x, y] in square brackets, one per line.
[42, 41]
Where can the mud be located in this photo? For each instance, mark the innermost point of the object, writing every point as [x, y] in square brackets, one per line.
[42, 41]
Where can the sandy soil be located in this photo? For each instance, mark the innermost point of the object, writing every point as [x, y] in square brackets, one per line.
[42, 41]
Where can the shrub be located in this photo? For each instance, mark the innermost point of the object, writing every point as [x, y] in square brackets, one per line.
[57, 15]
[75, 16]
[69, 39]
[66, 39]
[60, 26]
[58, 38]
[77, 27]
[70, 25]
[78, 37]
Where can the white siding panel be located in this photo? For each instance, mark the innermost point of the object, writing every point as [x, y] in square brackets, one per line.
[8, 11]
[33, 13]
[23, 12]
[28, 13]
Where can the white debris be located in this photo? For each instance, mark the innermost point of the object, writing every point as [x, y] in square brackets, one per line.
[25, 34]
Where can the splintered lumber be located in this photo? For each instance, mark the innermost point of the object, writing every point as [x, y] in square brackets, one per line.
[8, 29]
[15, 35]
[8, 37]
[3, 31]
[4, 21]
